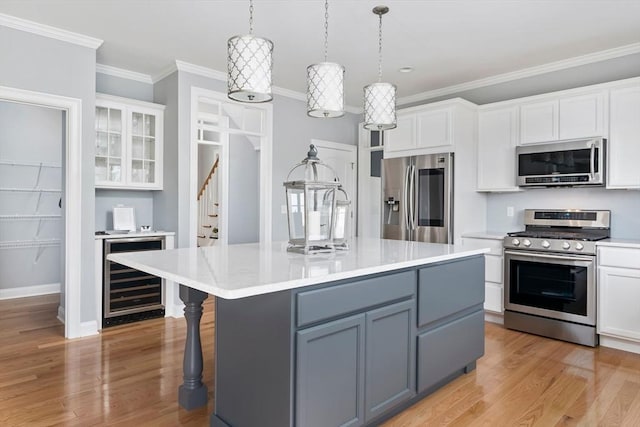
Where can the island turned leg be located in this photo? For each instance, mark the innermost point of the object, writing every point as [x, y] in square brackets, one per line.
[192, 393]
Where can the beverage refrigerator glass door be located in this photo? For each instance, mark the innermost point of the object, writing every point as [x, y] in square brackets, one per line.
[554, 286]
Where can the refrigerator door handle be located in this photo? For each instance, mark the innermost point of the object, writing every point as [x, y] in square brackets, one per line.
[412, 195]
[405, 186]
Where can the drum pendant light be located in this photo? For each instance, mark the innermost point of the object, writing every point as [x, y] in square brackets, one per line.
[249, 66]
[325, 82]
[380, 97]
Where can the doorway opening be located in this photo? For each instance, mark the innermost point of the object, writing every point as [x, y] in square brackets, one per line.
[45, 189]
[231, 186]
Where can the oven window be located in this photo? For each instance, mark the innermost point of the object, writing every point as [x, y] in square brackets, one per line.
[554, 287]
[557, 162]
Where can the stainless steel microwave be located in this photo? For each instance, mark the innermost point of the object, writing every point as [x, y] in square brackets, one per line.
[563, 163]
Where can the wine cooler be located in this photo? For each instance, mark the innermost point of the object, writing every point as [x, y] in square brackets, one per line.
[130, 295]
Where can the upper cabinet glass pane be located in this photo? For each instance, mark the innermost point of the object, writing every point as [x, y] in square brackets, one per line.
[137, 124]
[102, 121]
[149, 125]
[115, 120]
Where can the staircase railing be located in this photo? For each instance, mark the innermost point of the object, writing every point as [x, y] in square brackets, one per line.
[206, 181]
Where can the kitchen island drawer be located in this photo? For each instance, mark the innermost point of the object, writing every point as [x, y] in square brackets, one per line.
[326, 303]
[439, 296]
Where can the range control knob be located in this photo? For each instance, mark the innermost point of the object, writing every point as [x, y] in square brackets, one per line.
[566, 245]
[515, 242]
[527, 242]
[545, 244]
[579, 246]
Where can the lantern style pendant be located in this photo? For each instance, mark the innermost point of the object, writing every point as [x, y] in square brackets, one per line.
[325, 82]
[380, 97]
[249, 63]
[310, 189]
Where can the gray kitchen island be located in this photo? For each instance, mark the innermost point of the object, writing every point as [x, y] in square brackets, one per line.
[341, 339]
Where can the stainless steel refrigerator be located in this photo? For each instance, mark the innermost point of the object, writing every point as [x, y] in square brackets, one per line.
[417, 198]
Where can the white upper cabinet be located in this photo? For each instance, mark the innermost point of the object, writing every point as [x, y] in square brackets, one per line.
[582, 116]
[624, 137]
[563, 117]
[429, 129]
[497, 140]
[539, 122]
[403, 137]
[434, 128]
[129, 144]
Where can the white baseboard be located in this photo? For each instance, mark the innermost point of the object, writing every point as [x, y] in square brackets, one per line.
[30, 291]
[620, 344]
[61, 314]
[490, 316]
[174, 310]
[88, 328]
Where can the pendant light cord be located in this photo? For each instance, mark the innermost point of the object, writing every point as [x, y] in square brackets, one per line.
[380, 49]
[250, 17]
[326, 29]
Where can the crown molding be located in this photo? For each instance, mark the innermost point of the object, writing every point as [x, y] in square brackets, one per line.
[526, 72]
[222, 76]
[165, 72]
[48, 31]
[122, 73]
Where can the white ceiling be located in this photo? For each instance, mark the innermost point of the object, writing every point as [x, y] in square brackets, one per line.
[447, 42]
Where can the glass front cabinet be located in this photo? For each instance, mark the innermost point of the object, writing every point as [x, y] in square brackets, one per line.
[128, 143]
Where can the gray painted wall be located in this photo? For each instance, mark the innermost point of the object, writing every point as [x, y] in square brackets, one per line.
[52, 66]
[244, 191]
[292, 133]
[30, 134]
[124, 87]
[142, 201]
[624, 205]
[584, 75]
[165, 202]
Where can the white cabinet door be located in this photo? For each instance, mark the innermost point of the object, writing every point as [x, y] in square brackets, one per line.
[624, 138]
[435, 128]
[403, 137]
[582, 116]
[129, 144]
[539, 122]
[497, 150]
[618, 307]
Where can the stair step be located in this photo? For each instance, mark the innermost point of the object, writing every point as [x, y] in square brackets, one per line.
[216, 204]
[206, 226]
[202, 236]
[213, 216]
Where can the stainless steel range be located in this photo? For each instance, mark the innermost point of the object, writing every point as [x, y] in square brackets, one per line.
[550, 274]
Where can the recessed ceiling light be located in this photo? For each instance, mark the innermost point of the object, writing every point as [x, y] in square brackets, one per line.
[406, 69]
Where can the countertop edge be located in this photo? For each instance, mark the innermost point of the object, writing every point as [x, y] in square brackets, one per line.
[294, 283]
[134, 235]
[621, 243]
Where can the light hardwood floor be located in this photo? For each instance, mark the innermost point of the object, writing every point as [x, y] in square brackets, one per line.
[129, 375]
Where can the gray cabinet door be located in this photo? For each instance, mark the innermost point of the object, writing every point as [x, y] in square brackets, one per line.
[330, 374]
[447, 349]
[390, 361]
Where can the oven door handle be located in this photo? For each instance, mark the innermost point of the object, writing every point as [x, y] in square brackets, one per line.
[563, 257]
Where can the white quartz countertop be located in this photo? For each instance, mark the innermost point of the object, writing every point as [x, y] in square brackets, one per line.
[151, 233]
[621, 243]
[238, 271]
[491, 234]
